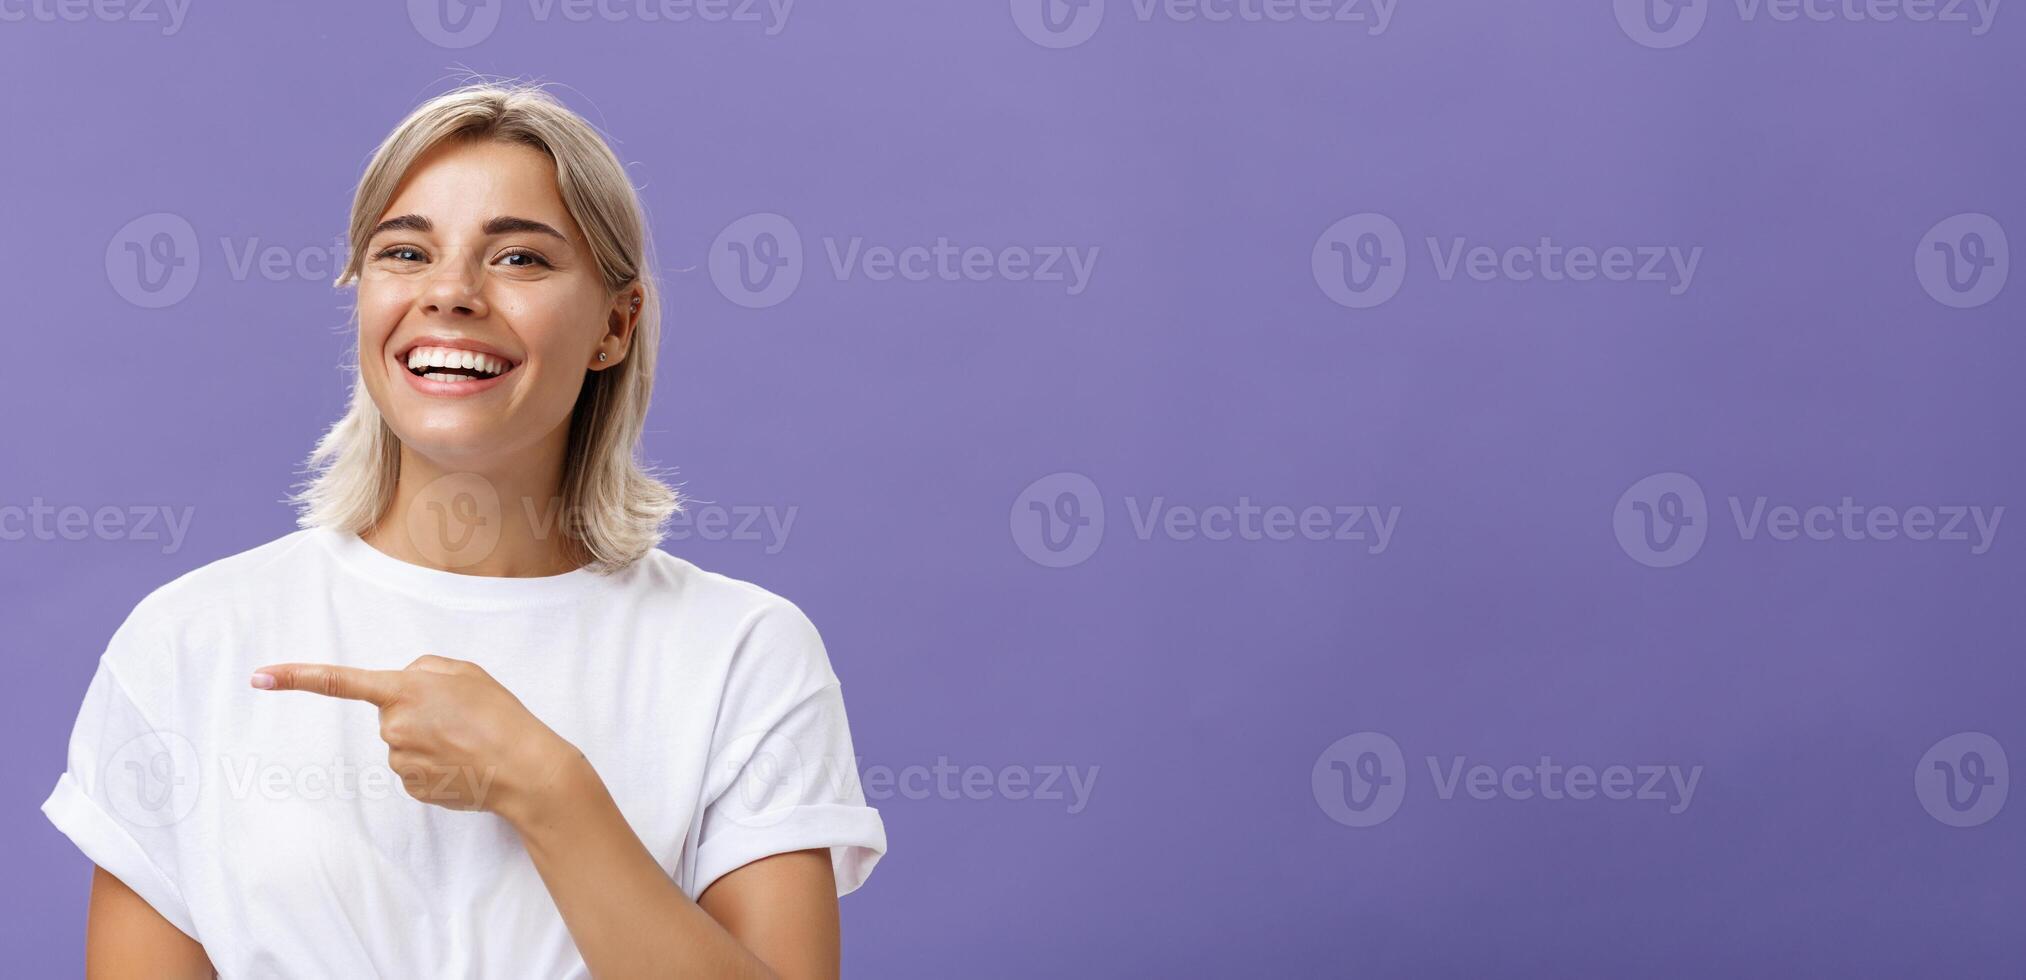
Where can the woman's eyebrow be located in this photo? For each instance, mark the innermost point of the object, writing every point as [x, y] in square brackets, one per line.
[407, 222]
[503, 225]
[507, 224]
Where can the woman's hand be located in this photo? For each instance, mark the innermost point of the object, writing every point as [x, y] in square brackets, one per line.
[455, 736]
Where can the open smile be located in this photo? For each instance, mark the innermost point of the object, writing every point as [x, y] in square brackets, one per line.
[437, 368]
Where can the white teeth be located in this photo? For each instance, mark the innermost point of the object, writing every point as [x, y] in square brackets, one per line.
[445, 357]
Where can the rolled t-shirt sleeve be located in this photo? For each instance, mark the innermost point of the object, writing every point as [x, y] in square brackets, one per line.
[783, 776]
[125, 787]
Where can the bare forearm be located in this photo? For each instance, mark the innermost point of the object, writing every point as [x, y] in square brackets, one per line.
[626, 915]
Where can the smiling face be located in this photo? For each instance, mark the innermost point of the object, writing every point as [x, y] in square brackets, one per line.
[481, 307]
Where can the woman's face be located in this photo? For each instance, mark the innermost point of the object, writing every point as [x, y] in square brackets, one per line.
[480, 306]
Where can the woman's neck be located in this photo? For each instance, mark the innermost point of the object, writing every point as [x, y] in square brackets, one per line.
[502, 518]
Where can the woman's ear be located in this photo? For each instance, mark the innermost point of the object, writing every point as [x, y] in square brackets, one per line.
[619, 324]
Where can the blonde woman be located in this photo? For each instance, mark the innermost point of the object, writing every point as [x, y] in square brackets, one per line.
[470, 721]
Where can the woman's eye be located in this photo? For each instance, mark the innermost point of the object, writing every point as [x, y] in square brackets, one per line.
[400, 253]
[524, 260]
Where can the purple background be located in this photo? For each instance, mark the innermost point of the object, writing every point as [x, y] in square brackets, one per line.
[1204, 679]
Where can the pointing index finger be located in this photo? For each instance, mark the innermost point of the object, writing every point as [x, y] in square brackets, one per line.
[376, 687]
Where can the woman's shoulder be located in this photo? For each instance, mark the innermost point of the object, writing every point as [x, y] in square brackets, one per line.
[749, 618]
[263, 566]
[223, 581]
[701, 592]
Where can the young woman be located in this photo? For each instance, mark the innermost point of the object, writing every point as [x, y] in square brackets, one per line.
[470, 721]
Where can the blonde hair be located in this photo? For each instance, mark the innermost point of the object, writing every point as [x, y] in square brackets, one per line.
[613, 507]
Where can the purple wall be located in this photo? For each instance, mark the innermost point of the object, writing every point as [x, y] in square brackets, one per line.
[1756, 266]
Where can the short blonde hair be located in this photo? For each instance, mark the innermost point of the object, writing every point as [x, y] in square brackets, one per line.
[613, 507]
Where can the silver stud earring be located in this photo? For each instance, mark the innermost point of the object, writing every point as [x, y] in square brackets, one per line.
[601, 355]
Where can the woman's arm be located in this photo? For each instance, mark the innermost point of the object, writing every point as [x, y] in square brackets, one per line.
[775, 917]
[126, 939]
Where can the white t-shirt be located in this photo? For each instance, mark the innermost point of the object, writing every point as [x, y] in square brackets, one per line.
[267, 825]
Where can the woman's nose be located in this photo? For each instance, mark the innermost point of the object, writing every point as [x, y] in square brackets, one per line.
[456, 288]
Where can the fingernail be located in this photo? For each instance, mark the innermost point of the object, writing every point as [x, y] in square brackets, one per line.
[263, 681]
